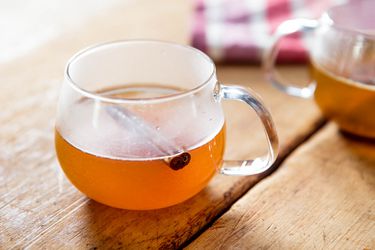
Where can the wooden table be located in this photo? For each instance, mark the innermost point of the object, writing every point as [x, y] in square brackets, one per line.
[321, 194]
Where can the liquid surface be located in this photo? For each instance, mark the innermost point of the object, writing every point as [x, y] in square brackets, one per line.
[140, 91]
[118, 155]
[350, 104]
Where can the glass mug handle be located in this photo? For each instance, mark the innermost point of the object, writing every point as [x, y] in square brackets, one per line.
[270, 54]
[262, 163]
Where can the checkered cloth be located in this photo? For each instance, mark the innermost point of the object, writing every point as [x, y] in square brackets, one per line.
[239, 30]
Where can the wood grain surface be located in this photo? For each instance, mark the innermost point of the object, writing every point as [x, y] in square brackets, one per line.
[322, 197]
[39, 208]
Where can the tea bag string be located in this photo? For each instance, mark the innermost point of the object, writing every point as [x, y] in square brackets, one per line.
[179, 157]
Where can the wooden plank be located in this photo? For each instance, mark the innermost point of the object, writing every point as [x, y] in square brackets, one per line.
[39, 208]
[322, 197]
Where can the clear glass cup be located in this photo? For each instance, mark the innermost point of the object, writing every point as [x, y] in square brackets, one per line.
[342, 64]
[140, 124]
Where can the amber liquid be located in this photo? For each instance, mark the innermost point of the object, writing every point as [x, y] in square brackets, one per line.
[350, 104]
[140, 183]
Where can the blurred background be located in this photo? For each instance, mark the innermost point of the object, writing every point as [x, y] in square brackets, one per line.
[234, 31]
[27, 25]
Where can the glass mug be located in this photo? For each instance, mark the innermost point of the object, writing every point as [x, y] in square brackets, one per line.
[140, 124]
[342, 65]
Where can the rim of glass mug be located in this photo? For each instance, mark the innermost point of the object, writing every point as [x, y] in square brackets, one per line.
[120, 100]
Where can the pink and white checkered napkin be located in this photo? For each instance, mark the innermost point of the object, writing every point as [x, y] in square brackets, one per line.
[239, 30]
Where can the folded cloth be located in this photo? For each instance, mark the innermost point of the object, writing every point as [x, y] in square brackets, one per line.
[239, 30]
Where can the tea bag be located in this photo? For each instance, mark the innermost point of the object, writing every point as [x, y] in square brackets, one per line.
[178, 159]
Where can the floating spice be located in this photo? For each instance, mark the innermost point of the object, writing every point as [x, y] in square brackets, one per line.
[179, 161]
